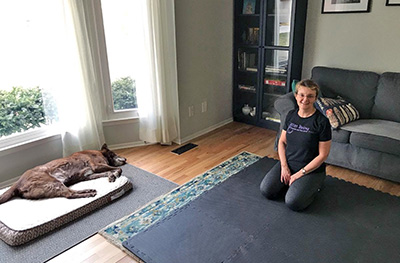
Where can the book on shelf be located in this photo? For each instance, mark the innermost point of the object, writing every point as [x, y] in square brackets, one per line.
[269, 69]
[247, 61]
[249, 7]
[270, 117]
[251, 69]
[274, 82]
[241, 60]
[247, 87]
[252, 35]
[252, 60]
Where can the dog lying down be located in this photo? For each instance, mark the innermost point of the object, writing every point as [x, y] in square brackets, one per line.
[54, 178]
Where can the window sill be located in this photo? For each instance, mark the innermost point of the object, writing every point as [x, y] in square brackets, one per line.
[122, 115]
[120, 121]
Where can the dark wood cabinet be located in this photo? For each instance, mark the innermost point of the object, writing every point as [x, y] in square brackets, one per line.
[267, 56]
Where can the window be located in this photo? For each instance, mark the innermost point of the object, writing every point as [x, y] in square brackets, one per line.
[35, 59]
[122, 31]
[31, 39]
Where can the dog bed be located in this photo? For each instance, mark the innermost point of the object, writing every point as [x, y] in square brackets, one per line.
[23, 220]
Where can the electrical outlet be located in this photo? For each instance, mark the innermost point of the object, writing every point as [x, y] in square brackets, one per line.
[191, 111]
[204, 106]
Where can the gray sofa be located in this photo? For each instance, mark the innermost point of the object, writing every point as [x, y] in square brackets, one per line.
[370, 144]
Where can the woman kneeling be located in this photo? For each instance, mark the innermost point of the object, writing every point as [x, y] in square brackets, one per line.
[303, 147]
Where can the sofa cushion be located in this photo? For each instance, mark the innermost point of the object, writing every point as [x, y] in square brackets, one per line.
[378, 135]
[340, 135]
[387, 100]
[338, 111]
[375, 143]
[357, 87]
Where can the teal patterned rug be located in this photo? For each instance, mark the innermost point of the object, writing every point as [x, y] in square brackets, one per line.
[158, 209]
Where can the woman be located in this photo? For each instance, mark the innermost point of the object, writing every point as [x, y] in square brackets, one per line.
[303, 147]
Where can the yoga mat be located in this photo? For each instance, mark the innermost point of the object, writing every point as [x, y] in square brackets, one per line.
[233, 222]
[146, 187]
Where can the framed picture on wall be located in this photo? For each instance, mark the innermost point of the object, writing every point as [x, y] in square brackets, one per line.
[392, 2]
[346, 6]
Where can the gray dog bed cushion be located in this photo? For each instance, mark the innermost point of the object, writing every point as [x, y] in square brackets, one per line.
[23, 220]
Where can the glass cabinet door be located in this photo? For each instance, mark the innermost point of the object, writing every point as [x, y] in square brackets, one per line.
[249, 23]
[278, 22]
[246, 79]
[267, 56]
[274, 81]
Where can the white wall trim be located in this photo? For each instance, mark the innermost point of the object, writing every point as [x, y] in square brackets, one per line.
[202, 132]
[120, 121]
[177, 141]
[127, 145]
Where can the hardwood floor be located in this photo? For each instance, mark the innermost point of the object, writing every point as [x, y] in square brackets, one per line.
[213, 148]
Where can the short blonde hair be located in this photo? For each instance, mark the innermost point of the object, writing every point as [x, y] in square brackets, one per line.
[307, 83]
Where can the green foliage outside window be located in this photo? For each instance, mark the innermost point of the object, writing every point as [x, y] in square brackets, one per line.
[20, 110]
[124, 93]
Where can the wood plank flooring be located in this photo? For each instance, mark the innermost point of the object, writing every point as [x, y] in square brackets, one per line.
[213, 148]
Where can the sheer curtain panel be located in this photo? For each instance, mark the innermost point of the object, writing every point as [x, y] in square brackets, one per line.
[157, 85]
[79, 104]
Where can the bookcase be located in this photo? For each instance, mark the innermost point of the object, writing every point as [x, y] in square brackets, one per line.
[267, 56]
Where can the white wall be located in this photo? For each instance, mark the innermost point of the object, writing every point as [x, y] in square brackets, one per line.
[122, 134]
[14, 162]
[363, 41]
[204, 32]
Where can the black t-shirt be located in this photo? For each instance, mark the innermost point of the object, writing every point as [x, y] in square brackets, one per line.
[303, 136]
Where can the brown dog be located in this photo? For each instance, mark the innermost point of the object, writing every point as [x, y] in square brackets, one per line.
[53, 178]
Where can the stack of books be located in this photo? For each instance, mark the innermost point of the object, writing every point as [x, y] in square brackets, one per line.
[269, 69]
[275, 82]
[247, 87]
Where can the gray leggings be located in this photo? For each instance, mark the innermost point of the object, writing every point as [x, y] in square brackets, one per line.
[299, 195]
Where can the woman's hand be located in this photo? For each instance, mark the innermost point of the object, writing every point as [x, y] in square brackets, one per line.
[285, 171]
[285, 175]
[294, 178]
[324, 148]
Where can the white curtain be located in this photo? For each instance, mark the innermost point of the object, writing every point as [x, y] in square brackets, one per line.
[78, 102]
[157, 82]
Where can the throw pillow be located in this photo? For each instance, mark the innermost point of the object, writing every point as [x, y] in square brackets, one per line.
[294, 82]
[338, 111]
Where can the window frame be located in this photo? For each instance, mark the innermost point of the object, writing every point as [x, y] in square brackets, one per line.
[29, 136]
[99, 35]
[15, 141]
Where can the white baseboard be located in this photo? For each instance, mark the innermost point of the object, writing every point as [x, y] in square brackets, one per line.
[202, 132]
[127, 145]
[177, 141]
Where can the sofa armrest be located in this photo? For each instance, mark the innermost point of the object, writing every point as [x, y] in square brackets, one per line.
[283, 105]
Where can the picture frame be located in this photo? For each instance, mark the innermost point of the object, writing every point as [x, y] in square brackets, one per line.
[392, 2]
[249, 7]
[346, 6]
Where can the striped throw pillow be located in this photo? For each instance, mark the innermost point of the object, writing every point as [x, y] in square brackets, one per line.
[338, 111]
